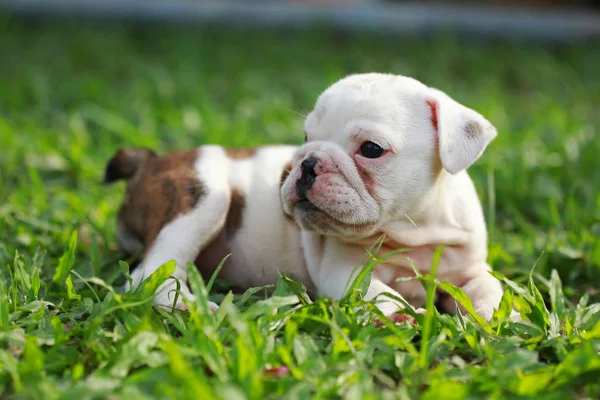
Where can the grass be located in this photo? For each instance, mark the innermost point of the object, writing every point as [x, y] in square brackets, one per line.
[72, 93]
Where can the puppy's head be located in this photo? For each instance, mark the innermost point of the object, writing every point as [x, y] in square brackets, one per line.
[376, 145]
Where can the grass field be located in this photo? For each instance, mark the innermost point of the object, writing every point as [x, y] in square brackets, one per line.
[72, 93]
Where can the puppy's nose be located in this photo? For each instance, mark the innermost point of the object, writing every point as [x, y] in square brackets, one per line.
[308, 167]
[307, 179]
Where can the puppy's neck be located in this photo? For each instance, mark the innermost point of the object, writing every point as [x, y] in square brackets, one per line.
[436, 203]
[450, 203]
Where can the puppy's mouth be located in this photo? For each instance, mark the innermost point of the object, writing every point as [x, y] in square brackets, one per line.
[307, 210]
[313, 218]
[306, 205]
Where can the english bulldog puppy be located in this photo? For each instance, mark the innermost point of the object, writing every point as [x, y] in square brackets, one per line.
[384, 155]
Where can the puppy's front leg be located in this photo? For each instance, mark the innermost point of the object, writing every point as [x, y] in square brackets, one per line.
[333, 267]
[183, 238]
[485, 293]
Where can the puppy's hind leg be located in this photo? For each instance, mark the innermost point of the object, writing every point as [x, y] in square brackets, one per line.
[184, 237]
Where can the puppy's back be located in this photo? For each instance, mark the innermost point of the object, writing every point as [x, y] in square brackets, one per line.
[158, 190]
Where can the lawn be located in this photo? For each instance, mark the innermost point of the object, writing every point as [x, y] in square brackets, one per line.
[71, 93]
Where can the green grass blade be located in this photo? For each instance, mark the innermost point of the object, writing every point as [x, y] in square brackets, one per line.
[66, 261]
[430, 308]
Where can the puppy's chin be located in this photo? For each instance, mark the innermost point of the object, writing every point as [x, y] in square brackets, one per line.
[313, 219]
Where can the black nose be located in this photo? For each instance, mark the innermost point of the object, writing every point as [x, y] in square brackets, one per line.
[307, 179]
[308, 167]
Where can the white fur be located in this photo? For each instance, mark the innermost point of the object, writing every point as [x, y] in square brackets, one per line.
[267, 242]
[418, 194]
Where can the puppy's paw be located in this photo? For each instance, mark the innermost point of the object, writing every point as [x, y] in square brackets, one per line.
[168, 297]
[214, 307]
[515, 316]
[396, 313]
[395, 318]
[399, 316]
[167, 301]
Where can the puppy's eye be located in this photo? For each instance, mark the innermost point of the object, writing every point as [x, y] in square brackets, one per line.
[371, 150]
[305, 137]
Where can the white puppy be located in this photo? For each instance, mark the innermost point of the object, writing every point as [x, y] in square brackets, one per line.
[384, 154]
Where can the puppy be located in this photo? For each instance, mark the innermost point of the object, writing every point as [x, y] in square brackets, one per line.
[201, 205]
[384, 155]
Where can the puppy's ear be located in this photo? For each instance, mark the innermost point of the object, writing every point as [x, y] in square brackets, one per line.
[125, 163]
[463, 133]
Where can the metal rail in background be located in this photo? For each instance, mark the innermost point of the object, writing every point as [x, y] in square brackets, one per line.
[550, 25]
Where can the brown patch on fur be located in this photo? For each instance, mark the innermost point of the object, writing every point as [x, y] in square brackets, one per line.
[240, 153]
[163, 188]
[212, 254]
[125, 163]
[284, 174]
[473, 129]
[235, 213]
[289, 217]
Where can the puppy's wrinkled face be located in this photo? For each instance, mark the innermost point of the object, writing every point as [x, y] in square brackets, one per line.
[372, 154]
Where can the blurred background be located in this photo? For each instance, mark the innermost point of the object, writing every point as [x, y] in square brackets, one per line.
[542, 19]
[81, 78]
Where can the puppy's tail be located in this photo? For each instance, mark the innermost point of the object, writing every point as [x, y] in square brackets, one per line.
[125, 163]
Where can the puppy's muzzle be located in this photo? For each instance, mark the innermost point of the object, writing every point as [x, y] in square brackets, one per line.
[307, 178]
